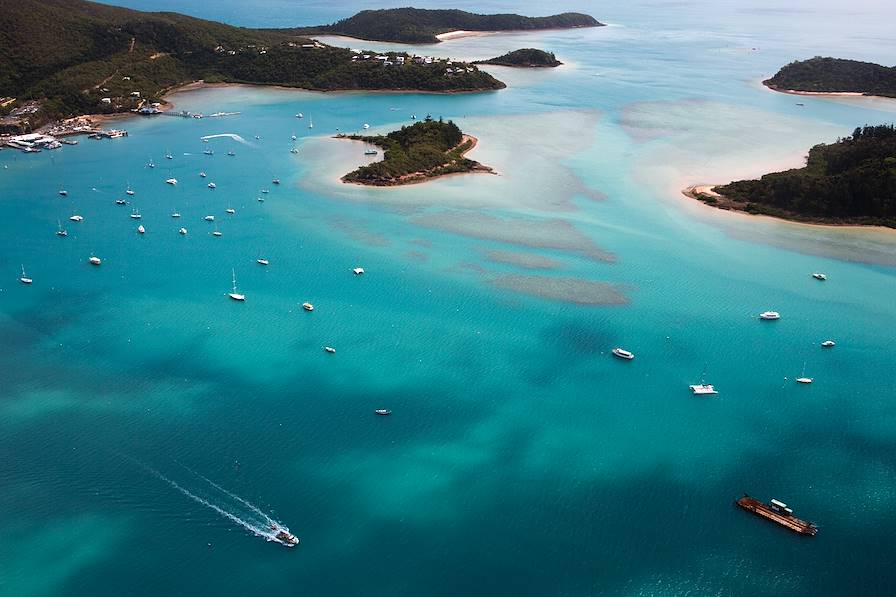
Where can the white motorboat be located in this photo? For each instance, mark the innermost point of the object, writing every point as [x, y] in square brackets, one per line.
[828, 344]
[209, 218]
[231, 153]
[171, 181]
[329, 349]
[262, 261]
[236, 295]
[622, 353]
[370, 152]
[358, 271]
[76, 218]
[120, 202]
[25, 279]
[202, 174]
[294, 150]
[141, 229]
[212, 185]
[209, 152]
[94, 260]
[129, 191]
[300, 115]
[175, 214]
[308, 306]
[183, 231]
[265, 191]
[819, 276]
[282, 535]
[63, 192]
[230, 210]
[383, 412]
[150, 164]
[802, 378]
[769, 315]
[217, 232]
[275, 181]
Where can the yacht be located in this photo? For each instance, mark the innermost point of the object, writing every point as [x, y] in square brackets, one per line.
[63, 192]
[217, 232]
[212, 185]
[230, 210]
[183, 231]
[237, 296]
[25, 279]
[141, 229]
[358, 271]
[769, 315]
[308, 306]
[384, 412]
[329, 349]
[623, 354]
[703, 387]
[120, 202]
[76, 218]
[275, 181]
[828, 344]
[61, 231]
[136, 215]
[202, 174]
[209, 218]
[820, 276]
[262, 261]
[171, 181]
[94, 260]
[802, 378]
[283, 535]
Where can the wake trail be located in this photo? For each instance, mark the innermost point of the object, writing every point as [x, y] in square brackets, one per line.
[233, 136]
[248, 504]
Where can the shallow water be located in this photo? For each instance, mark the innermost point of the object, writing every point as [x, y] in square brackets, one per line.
[521, 458]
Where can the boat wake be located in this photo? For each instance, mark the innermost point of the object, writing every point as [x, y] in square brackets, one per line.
[233, 136]
[230, 506]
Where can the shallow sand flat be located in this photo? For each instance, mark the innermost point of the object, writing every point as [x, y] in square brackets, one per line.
[526, 260]
[570, 290]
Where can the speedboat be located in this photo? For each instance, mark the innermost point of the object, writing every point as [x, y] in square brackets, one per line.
[329, 349]
[358, 271]
[237, 297]
[622, 353]
[703, 388]
[76, 218]
[171, 181]
[183, 231]
[828, 344]
[769, 315]
[94, 260]
[136, 215]
[209, 218]
[283, 535]
[120, 202]
[819, 276]
[141, 229]
[212, 185]
[261, 261]
[308, 306]
[385, 412]
[230, 210]
[26, 280]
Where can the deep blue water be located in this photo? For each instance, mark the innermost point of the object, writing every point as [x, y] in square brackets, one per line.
[521, 458]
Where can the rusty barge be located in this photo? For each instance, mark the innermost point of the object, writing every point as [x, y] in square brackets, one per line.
[779, 513]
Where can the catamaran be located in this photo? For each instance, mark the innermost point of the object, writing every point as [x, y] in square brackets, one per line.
[703, 387]
[236, 295]
[769, 315]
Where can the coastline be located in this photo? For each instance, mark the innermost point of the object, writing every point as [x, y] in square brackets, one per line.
[722, 203]
[822, 93]
[421, 177]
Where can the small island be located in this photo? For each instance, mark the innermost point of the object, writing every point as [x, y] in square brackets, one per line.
[852, 181]
[422, 151]
[423, 26]
[834, 75]
[66, 58]
[524, 58]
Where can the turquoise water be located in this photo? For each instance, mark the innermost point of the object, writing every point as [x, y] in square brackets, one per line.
[521, 458]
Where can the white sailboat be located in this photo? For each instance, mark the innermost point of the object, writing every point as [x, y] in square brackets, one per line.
[25, 279]
[129, 190]
[236, 295]
[310, 123]
[802, 378]
[217, 232]
[61, 231]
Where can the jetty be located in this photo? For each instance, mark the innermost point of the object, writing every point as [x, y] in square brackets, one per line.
[779, 513]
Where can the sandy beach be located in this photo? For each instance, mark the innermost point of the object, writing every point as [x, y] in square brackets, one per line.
[462, 33]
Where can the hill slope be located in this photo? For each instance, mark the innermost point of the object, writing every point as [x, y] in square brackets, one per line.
[417, 25]
[850, 181]
[70, 54]
[835, 75]
[526, 57]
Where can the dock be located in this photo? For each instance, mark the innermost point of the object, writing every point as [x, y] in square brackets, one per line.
[779, 513]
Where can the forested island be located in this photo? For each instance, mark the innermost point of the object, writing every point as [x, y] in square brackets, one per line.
[72, 57]
[422, 26]
[852, 181]
[424, 150]
[525, 58]
[835, 75]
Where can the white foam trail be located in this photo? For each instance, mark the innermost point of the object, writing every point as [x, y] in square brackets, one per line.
[233, 136]
[249, 505]
[256, 530]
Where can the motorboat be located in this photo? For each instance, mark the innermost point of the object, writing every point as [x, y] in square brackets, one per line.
[150, 164]
[383, 412]
[293, 137]
[308, 306]
[217, 232]
[828, 344]
[294, 150]
[120, 202]
[25, 279]
[63, 192]
[261, 261]
[209, 218]
[175, 214]
[260, 199]
[141, 229]
[76, 218]
[171, 181]
[358, 271]
[329, 349]
[265, 191]
[300, 115]
[769, 315]
[136, 215]
[129, 191]
[366, 126]
[370, 152]
[230, 210]
[183, 231]
[212, 185]
[94, 260]
[231, 153]
[275, 181]
[168, 156]
[622, 353]
[820, 276]
[237, 297]
[202, 174]
[283, 535]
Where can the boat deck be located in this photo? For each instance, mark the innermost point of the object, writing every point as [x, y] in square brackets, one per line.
[764, 510]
